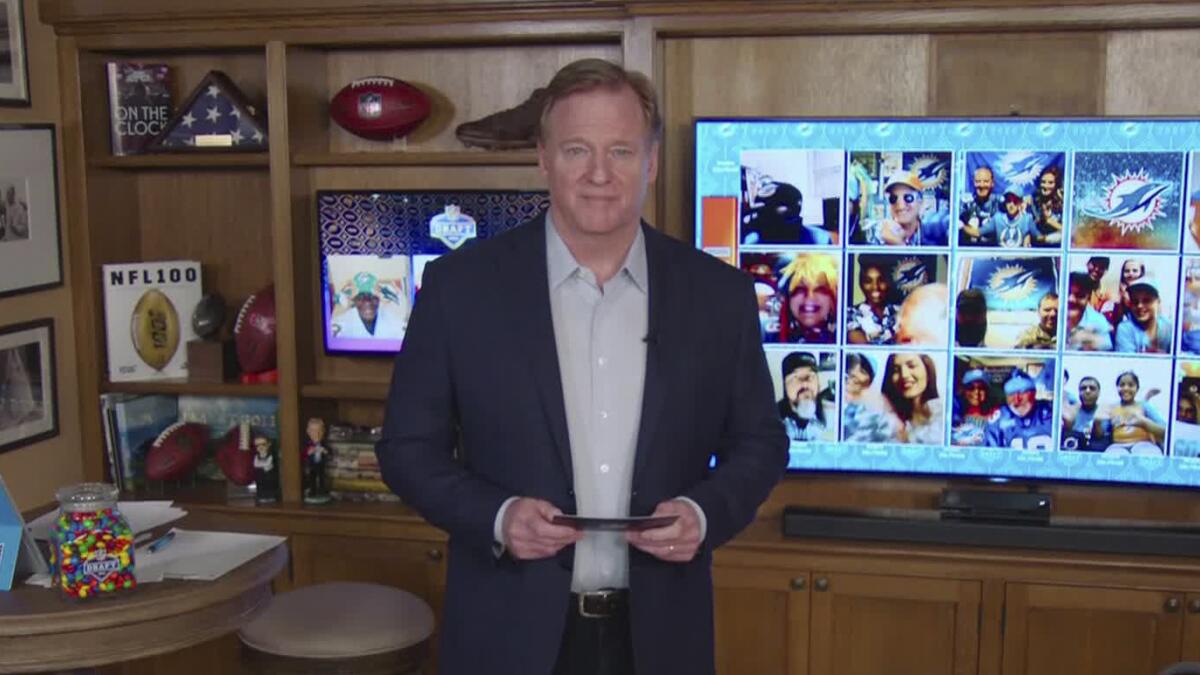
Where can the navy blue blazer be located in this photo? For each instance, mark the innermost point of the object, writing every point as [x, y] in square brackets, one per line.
[479, 371]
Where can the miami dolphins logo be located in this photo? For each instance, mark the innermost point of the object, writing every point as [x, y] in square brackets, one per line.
[1012, 282]
[932, 171]
[1132, 202]
[908, 274]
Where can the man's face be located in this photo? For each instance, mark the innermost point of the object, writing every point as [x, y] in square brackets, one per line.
[1021, 403]
[875, 286]
[975, 394]
[1048, 314]
[1096, 270]
[1013, 206]
[1047, 184]
[801, 385]
[367, 306]
[1077, 300]
[984, 182]
[811, 305]
[906, 205]
[1089, 392]
[598, 161]
[1143, 303]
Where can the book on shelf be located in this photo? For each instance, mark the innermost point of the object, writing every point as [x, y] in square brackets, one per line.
[148, 318]
[353, 468]
[132, 423]
[139, 104]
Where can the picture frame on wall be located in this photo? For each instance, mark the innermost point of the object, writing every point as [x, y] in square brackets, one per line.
[28, 389]
[30, 243]
[14, 69]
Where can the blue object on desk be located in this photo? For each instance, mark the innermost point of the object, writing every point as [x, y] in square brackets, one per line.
[162, 542]
[11, 528]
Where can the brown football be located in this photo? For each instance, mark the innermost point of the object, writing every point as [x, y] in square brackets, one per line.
[154, 328]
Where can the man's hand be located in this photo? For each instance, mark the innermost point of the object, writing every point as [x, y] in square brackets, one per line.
[677, 542]
[529, 533]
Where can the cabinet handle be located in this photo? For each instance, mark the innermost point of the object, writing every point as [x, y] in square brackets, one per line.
[1172, 605]
[798, 583]
[434, 554]
[1194, 606]
[822, 584]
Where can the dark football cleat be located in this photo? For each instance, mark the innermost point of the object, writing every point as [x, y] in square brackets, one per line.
[512, 129]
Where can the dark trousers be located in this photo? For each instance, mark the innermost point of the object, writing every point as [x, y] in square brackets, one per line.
[597, 640]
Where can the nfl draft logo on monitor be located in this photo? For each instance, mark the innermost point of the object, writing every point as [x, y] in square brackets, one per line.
[147, 314]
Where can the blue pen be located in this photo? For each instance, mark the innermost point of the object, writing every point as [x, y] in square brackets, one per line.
[161, 543]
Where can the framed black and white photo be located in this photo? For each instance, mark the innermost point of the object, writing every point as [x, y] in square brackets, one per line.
[28, 404]
[30, 248]
[14, 71]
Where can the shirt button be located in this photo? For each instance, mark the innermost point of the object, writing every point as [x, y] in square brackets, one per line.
[601, 361]
[603, 415]
[603, 468]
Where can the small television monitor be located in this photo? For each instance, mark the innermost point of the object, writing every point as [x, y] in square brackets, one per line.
[992, 297]
[374, 246]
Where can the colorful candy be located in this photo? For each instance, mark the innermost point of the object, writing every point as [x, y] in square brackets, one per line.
[92, 551]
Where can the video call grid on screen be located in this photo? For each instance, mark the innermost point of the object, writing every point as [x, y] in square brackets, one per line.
[1124, 190]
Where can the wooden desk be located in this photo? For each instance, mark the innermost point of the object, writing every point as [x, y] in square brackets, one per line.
[41, 632]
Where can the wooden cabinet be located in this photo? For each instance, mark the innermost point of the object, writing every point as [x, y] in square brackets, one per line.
[863, 624]
[762, 619]
[1054, 629]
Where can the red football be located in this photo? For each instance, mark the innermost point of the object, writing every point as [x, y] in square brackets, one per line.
[379, 108]
[254, 332]
[176, 451]
[234, 455]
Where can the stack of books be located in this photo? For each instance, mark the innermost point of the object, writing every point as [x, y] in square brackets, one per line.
[354, 470]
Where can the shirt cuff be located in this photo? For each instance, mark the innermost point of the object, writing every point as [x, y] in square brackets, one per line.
[499, 546]
[699, 514]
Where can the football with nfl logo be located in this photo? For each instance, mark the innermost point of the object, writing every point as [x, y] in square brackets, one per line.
[379, 108]
[154, 329]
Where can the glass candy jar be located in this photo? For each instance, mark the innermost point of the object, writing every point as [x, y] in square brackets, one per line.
[91, 543]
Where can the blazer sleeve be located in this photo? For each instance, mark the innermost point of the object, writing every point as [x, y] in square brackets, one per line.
[753, 450]
[420, 429]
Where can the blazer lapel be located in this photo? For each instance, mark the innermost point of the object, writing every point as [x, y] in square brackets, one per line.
[661, 324]
[533, 328]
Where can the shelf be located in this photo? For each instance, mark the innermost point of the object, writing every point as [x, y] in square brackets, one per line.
[449, 158]
[355, 391]
[184, 161]
[192, 388]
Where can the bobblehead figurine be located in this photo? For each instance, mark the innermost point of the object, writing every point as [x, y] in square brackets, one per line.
[316, 457]
[266, 472]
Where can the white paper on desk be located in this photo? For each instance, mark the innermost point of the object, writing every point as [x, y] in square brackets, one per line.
[142, 516]
[201, 555]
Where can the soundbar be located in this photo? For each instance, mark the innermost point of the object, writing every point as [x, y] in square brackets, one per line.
[1060, 534]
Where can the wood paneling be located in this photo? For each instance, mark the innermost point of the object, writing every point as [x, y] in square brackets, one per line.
[761, 620]
[1153, 73]
[1042, 74]
[781, 76]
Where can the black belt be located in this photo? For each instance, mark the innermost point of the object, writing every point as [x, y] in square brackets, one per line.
[601, 604]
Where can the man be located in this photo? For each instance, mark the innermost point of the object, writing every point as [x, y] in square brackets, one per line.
[1078, 418]
[370, 317]
[923, 316]
[1087, 329]
[979, 210]
[560, 360]
[777, 218]
[800, 408]
[1023, 423]
[1011, 227]
[1143, 330]
[905, 227]
[1043, 335]
[970, 318]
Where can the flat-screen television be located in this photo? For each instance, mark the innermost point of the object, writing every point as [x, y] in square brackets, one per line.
[996, 298]
[374, 246]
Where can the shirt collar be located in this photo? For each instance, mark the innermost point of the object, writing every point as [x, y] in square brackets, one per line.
[561, 264]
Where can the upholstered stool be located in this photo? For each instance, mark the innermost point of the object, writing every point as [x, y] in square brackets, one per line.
[339, 627]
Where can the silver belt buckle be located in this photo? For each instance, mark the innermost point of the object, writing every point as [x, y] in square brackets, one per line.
[583, 598]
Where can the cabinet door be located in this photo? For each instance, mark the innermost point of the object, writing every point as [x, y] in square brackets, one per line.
[761, 621]
[865, 624]
[1051, 630]
[415, 566]
[1191, 629]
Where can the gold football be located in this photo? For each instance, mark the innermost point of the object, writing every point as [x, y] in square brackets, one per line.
[155, 329]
